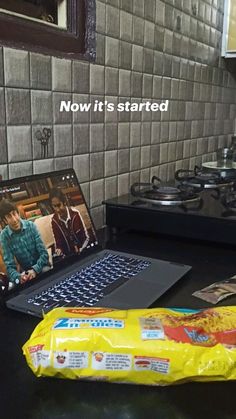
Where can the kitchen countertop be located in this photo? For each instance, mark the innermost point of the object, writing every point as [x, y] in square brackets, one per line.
[23, 395]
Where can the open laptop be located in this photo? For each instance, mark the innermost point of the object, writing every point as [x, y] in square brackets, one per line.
[52, 258]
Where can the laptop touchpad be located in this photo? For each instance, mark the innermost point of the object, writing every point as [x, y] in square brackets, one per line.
[134, 294]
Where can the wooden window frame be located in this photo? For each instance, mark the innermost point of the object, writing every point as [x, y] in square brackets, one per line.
[78, 41]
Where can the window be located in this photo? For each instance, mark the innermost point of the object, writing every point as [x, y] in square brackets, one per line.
[57, 27]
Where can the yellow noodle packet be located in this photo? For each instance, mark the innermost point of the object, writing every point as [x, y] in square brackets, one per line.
[156, 346]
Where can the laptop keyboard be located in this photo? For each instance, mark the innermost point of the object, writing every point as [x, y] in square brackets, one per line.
[89, 285]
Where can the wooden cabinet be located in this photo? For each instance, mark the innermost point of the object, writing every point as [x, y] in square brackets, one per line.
[229, 31]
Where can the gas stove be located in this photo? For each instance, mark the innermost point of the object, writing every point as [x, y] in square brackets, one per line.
[159, 193]
[177, 209]
[202, 178]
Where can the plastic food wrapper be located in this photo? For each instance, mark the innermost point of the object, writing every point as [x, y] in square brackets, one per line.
[217, 291]
[146, 346]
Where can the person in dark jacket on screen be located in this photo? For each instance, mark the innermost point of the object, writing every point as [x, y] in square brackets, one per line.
[70, 233]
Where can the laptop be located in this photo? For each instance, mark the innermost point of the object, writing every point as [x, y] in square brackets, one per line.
[50, 254]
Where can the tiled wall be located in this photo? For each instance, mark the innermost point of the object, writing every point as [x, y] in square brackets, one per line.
[146, 50]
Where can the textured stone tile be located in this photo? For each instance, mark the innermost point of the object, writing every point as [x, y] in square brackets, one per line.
[1, 67]
[138, 30]
[20, 169]
[137, 58]
[41, 107]
[123, 134]
[112, 52]
[147, 85]
[145, 175]
[134, 177]
[164, 133]
[126, 5]
[175, 67]
[124, 82]
[135, 156]
[61, 75]
[43, 166]
[123, 160]
[111, 115]
[40, 72]
[100, 17]
[148, 60]
[110, 187]
[112, 22]
[61, 117]
[16, 68]
[125, 55]
[96, 116]
[172, 151]
[19, 143]
[96, 137]
[136, 84]
[150, 9]
[62, 140]
[147, 115]
[123, 184]
[2, 107]
[86, 192]
[149, 32]
[111, 163]
[159, 38]
[81, 117]
[157, 87]
[96, 192]
[111, 136]
[81, 167]
[164, 153]
[160, 12]
[155, 154]
[158, 63]
[97, 79]
[115, 3]
[126, 26]
[166, 88]
[135, 134]
[138, 7]
[3, 146]
[98, 216]
[174, 89]
[17, 106]
[80, 138]
[145, 157]
[62, 163]
[80, 77]
[41, 151]
[155, 133]
[168, 41]
[96, 165]
[4, 171]
[167, 65]
[145, 133]
[137, 115]
[111, 81]
[100, 49]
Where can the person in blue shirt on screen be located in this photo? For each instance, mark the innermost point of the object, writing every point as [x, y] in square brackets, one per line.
[20, 241]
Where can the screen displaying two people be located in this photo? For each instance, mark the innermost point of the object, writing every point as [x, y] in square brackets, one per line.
[41, 223]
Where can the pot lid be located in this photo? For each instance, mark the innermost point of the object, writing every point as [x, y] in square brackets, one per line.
[217, 166]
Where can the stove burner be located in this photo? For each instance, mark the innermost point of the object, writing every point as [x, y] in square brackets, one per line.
[203, 180]
[157, 193]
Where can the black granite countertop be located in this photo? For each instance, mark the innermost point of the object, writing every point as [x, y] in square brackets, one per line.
[25, 396]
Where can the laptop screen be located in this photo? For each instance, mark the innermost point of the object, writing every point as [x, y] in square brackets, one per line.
[43, 221]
